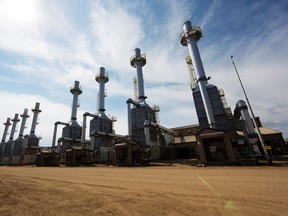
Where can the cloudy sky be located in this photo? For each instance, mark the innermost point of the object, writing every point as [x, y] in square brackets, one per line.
[46, 45]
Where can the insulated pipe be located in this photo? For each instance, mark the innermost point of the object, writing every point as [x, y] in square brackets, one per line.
[7, 125]
[24, 118]
[148, 124]
[128, 102]
[35, 111]
[138, 61]
[241, 105]
[70, 139]
[59, 144]
[133, 102]
[76, 91]
[147, 132]
[15, 121]
[129, 119]
[83, 134]
[189, 37]
[101, 78]
[162, 128]
[100, 133]
[55, 131]
[65, 139]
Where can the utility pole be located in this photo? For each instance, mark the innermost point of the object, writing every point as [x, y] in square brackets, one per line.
[268, 158]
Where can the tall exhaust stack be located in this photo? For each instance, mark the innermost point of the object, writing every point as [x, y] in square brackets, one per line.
[189, 37]
[17, 145]
[138, 61]
[76, 91]
[35, 111]
[23, 123]
[101, 78]
[7, 125]
[15, 121]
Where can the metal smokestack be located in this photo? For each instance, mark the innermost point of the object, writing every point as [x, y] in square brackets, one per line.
[138, 61]
[189, 37]
[15, 121]
[7, 125]
[101, 78]
[76, 91]
[24, 118]
[241, 105]
[35, 111]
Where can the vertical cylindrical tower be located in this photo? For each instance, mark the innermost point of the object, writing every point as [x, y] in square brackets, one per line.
[138, 61]
[76, 91]
[7, 125]
[101, 78]
[129, 118]
[54, 134]
[35, 111]
[83, 134]
[189, 37]
[246, 117]
[14, 123]
[24, 118]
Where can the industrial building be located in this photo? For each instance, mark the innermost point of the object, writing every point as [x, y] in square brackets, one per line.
[221, 137]
[145, 136]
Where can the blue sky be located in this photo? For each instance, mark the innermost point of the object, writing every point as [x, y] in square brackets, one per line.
[46, 45]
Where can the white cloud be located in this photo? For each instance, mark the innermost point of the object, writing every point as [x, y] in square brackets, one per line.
[210, 14]
[117, 34]
[56, 45]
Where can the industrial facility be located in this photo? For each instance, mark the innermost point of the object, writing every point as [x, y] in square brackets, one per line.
[221, 137]
[24, 149]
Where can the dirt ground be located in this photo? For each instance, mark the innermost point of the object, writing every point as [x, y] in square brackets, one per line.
[155, 190]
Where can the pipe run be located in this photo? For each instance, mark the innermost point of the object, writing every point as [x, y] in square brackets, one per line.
[61, 139]
[100, 133]
[129, 102]
[55, 131]
[148, 124]
[83, 135]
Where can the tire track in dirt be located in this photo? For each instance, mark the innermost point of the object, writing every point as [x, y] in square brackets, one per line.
[229, 205]
[142, 191]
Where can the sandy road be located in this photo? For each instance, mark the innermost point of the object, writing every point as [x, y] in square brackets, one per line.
[157, 190]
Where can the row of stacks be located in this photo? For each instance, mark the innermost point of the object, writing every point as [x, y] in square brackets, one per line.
[22, 150]
[141, 145]
[220, 137]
